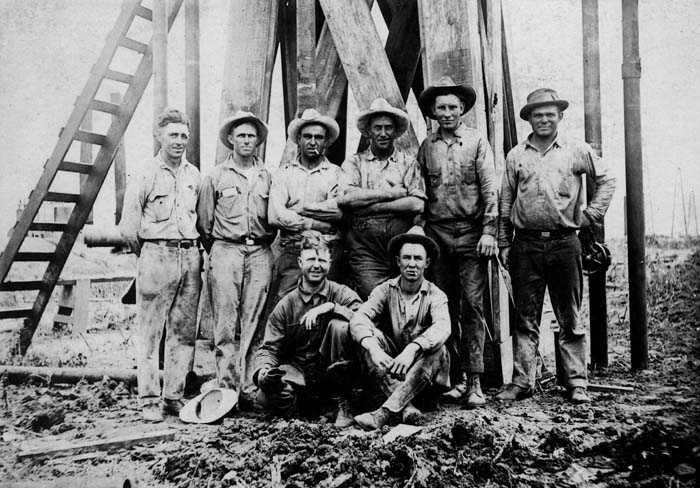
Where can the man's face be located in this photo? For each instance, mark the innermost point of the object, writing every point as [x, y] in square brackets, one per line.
[173, 139]
[413, 261]
[448, 110]
[544, 120]
[382, 133]
[244, 138]
[312, 141]
[314, 265]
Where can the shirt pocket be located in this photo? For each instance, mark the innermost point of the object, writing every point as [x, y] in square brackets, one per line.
[468, 171]
[564, 182]
[229, 201]
[161, 201]
[434, 183]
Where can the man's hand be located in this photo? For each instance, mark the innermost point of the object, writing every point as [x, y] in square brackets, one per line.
[396, 192]
[270, 380]
[401, 363]
[504, 257]
[378, 356]
[310, 318]
[487, 246]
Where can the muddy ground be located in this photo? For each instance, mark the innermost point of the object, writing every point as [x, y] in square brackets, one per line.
[648, 438]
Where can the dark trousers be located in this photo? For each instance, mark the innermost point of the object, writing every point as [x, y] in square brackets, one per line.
[554, 263]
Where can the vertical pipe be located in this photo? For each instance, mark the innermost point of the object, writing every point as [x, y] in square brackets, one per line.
[192, 78]
[160, 59]
[592, 121]
[119, 169]
[631, 74]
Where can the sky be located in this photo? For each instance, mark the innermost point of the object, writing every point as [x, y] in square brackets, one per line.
[47, 48]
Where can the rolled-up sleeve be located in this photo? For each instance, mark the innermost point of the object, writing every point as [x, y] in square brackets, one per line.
[278, 215]
[362, 324]
[596, 167]
[205, 207]
[413, 180]
[436, 335]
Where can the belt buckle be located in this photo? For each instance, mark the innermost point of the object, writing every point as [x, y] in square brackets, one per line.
[545, 233]
[249, 241]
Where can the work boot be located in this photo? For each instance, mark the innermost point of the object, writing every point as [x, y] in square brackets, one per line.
[514, 392]
[578, 395]
[457, 392]
[151, 413]
[343, 419]
[376, 419]
[475, 397]
[412, 416]
[170, 407]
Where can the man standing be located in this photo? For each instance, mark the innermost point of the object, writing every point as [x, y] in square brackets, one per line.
[384, 192]
[541, 199]
[402, 330]
[232, 220]
[461, 216]
[304, 196]
[306, 332]
[158, 223]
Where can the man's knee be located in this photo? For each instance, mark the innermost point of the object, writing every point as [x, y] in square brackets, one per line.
[280, 402]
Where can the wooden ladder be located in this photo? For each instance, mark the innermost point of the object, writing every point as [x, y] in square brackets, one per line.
[95, 173]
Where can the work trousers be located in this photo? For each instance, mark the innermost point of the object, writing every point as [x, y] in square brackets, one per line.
[366, 243]
[307, 378]
[462, 275]
[287, 270]
[239, 280]
[428, 369]
[168, 283]
[554, 263]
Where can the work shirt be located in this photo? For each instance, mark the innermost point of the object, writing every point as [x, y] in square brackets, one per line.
[365, 170]
[545, 191]
[160, 203]
[233, 205]
[286, 339]
[460, 177]
[293, 186]
[426, 323]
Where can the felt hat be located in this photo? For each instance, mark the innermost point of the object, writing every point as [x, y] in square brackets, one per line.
[209, 407]
[414, 235]
[311, 116]
[237, 119]
[380, 106]
[445, 86]
[540, 98]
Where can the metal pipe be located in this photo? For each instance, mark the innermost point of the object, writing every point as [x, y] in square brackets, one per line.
[102, 236]
[192, 78]
[634, 173]
[592, 120]
[160, 59]
[20, 374]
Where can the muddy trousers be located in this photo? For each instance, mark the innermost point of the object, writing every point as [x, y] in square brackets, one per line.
[168, 283]
[428, 369]
[239, 280]
[554, 263]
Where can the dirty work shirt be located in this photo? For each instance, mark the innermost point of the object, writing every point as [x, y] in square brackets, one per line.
[544, 191]
[460, 178]
[160, 207]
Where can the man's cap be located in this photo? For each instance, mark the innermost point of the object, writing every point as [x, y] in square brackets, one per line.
[209, 407]
[311, 116]
[378, 107]
[540, 98]
[445, 86]
[238, 118]
[414, 235]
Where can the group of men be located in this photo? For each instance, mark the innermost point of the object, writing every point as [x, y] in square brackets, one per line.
[415, 233]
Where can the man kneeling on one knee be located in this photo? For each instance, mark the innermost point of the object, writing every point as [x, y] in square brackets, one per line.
[402, 330]
[306, 333]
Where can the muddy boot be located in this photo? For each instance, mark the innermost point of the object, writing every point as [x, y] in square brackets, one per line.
[475, 397]
[578, 395]
[376, 419]
[151, 413]
[343, 419]
[412, 416]
[457, 392]
[513, 393]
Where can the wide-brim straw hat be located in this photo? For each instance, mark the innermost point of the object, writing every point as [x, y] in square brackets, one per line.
[414, 235]
[445, 86]
[378, 107]
[210, 406]
[540, 98]
[311, 116]
[238, 118]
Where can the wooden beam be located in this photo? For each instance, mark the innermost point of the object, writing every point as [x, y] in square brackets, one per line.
[403, 41]
[192, 78]
[160, 60]
[306, 54]
[119, 164]
[288, 45]
[510, 128]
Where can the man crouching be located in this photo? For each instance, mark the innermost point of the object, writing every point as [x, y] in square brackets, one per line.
[402, 330]
[306, 332]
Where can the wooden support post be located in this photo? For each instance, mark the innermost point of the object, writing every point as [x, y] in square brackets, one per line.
[306, 54]
[510, 133]
[250, 57]
[119, 165]
[74, 306]
[365, 62]
[86, 157]
[160, 60]
[288, 45]
[192, 78]
[403, 42]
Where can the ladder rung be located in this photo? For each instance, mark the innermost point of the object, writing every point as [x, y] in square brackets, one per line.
[144, 12]
[20, 285]
[90, 137]
[119, 76]
[107, 107]
[63, 319]
[134, 45]
[55, 196]
[75, 167]
[34, 256]
[15, 314]
[48, 227]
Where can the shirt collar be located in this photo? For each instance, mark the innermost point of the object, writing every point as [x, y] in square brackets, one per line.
[324, 165]
[557, 142]
[370, 156]
[459, 132]
[162, 164]
[306, 297]
[396, 283]
[229, 163]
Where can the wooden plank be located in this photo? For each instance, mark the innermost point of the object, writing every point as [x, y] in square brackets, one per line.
[14, 314]
[65, 448]
[72, 481]
[90, 138]
[54, 196]
[159, 43]
[133, 44]
[119, 76]
[510, 133]
[192, 80]
[403, 41]
[81, 306]
[119, 164]
[20, 285]
[75, 167]
[86, 157]
[144, 12]
[306, 54]
[288, 45]
[102, 106]
[47, 227]
[34, 256]
[364, 60]
[610, 388]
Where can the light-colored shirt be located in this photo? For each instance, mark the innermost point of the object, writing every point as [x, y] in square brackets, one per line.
[460, 178]
[233, 203]
[429, 326]
[161, 203]
[545, 191]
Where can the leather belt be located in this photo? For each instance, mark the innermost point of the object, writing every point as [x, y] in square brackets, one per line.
[180, 243]
[544, 234]
[248, 241]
